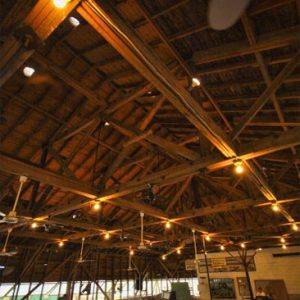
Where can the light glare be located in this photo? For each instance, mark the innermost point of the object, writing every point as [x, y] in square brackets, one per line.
[60, 3]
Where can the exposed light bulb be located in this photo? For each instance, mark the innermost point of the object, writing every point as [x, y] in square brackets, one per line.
[34, 225]
[96, 206]
[243, 245]
[163, 257]
[222, 247]
[275, 207]
[238, 167]
[284, 246]
[131, 252]
[207, 237]
[74, 22]
[282, 240]
[60, 3]
[195, 82]
[106, 124]
[178, 251]
[61, 244]
[295, 227]
[28, 71]
[107, 236]
[259, 249]
[168, 225]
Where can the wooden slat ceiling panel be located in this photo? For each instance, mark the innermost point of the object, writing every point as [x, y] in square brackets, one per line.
[77, 72]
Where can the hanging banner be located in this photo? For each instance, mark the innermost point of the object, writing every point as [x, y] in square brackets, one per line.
[219, 264]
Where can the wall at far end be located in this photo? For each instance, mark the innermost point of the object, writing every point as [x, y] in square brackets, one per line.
[268, 267]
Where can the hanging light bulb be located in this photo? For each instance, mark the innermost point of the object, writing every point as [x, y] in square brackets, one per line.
[163, 257]
[178, 251]
[61, 244]
[60, 3]
[295, 227]
[222, 247]
[275, 207]
[106, 124]
[282, 240]
[34, 225]
[131, 252]
[207, 237]
[284, 246]
[96, 206]
[243, 245]
[238, 166]
[107, 236]
[168, 225]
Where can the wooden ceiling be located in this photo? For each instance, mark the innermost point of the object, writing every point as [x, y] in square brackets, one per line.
[109, 116]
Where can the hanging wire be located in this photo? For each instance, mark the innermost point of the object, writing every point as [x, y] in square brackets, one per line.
[97, 152]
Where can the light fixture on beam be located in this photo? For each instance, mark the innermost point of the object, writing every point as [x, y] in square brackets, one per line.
[164, 257]
[60, 3]
[107, 236]
[275, 207]
[106, 124]
[196, 82]
[284, 246]
[282, 240]
[243, 245]
[178, 251]
[238, 166]
[207, 237]
[96, 206]
[61, 244]
[131, 252]
[34, 225]
[168, 225]
[28, 71]
[295, 227]
[74, 21]
[222, 247]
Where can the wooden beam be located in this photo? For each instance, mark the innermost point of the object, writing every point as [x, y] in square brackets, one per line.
[179, 193]
[17, 48]
[104, 19]
[272, 40]
[17, 167]
[264, 97]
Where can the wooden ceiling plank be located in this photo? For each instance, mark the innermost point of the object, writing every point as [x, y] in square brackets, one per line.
[17, 48]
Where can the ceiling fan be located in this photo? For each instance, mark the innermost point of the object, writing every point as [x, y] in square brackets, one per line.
[11, 217]
[224, 14]
[4, 251]
[80, 260]
[142, 245]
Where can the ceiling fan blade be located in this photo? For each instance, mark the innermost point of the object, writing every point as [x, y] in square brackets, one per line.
[224, 14]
